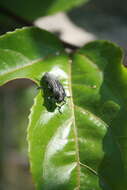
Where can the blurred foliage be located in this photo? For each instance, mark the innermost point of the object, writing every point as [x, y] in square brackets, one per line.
[31, 9]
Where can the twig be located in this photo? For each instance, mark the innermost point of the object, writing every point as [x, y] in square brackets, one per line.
[15, 17]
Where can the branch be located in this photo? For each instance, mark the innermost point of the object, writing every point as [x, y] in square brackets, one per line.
[15, 17]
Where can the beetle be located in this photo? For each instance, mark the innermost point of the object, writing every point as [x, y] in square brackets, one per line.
[54, 92]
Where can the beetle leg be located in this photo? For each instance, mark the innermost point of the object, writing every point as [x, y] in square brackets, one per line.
[39, 87]
[59, 109]
[64, 102]
[49, 87]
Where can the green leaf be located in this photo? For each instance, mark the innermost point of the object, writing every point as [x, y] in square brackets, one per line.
[31, 9]
[24, 51]
[85, 146]
[100, 86]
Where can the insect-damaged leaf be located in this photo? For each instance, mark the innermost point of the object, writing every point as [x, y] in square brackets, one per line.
[85, 146]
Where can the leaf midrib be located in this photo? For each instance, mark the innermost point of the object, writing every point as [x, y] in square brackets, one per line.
[75, 129]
